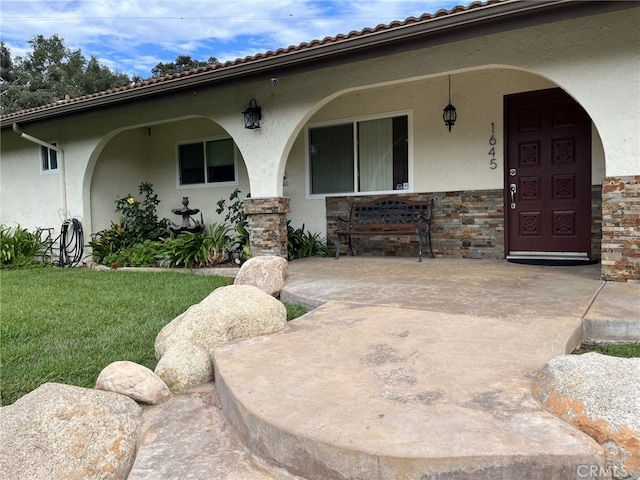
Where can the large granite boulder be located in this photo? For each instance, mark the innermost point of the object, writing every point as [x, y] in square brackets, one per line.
[267, 272]
[600, 395]
[184, 346]
[62, 432]
[135, 381]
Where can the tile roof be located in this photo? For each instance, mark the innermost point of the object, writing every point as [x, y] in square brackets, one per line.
[178, 79]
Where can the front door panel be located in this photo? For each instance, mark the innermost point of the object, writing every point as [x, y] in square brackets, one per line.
[548, 176]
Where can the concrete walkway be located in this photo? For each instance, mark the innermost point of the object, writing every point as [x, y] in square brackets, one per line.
[405, 370]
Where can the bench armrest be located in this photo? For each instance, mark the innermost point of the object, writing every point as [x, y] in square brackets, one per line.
[340, 219]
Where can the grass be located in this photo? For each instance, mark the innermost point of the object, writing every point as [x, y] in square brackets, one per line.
[624, 350]
[66, 325]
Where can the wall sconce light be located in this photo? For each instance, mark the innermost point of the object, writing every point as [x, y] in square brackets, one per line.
[252, 115]
[449, 114]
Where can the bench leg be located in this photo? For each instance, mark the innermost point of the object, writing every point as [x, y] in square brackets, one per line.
[338, 248]
[430, 244]
[419, 246]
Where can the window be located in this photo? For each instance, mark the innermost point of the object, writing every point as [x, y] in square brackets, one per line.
[48, 159]
[207, 162]
[360, 156]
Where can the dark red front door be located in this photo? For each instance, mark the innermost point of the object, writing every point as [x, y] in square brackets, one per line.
[548, 177]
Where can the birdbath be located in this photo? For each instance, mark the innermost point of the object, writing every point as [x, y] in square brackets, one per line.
[186, 213]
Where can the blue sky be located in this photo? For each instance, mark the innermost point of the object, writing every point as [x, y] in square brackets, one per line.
[132, 36]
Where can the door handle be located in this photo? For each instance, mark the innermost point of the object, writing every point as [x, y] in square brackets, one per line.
[512, 192]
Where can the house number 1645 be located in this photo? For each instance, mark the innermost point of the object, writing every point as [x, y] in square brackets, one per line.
[492, 151]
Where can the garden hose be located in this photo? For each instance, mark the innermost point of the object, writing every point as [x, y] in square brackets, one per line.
[71, 244]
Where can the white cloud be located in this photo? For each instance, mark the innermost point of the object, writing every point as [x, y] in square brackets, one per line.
[134, 35]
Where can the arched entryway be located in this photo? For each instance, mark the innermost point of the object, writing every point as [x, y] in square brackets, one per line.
[192, 157]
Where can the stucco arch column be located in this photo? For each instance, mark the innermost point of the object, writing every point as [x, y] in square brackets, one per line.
[265, 152]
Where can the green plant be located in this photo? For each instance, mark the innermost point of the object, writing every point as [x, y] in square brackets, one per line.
[139, 255]
[198, 250]
[294, 310]
[302, 243]
[140, 217]
[109, 241]
[18, 247]
[118, 244]
[625, 350]
[237, 218]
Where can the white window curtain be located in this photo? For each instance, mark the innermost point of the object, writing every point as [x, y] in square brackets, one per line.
[375, 154]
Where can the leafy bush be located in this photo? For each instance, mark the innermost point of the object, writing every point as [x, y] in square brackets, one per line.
[140, 217]
[301, 243]
[139, 255]
[236, 217]
[18, 247]
[193, 250]
[123, 243]
[110, 241]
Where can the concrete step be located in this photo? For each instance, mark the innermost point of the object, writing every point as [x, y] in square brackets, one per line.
[187, 437]
[614, 316]
[354, 391]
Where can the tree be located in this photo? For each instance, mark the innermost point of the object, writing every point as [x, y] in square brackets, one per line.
[183, 63]
[48, 73]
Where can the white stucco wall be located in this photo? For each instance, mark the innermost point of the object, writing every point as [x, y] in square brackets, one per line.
[28, 197]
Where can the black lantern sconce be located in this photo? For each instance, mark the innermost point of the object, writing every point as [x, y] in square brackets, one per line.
[252, 115]
[449, 114]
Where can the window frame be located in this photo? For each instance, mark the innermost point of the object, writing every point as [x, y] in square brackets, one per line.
[206, 184]
[42, 149]
[354, 121]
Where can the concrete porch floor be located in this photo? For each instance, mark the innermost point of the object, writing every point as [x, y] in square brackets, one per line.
[404, 370]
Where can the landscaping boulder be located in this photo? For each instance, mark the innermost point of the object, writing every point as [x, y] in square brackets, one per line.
[135, 381]
[600, 395]
[267, 272]
[65, 432]
[184, 346]
[184, 365]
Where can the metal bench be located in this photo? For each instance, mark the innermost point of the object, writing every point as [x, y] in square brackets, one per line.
[387, 216]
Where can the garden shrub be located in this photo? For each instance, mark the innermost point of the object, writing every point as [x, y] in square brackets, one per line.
[130, 241]
[18, 247]
[140, 217]
[192, 250]
[236, 217]
[302, 243]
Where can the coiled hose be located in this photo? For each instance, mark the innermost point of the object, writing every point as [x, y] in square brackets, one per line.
[71, 244]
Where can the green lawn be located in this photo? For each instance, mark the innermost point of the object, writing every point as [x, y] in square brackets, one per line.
[66, 325]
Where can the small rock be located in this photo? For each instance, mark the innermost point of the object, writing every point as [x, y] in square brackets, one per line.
[600, 395]
[184, 365]
[62, 432]
[267, 272]
[135, 381]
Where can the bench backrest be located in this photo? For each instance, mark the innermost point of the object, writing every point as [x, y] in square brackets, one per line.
[391, 212]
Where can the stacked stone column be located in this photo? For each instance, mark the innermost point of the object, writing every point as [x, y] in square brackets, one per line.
[267, 219]
[621, 228]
